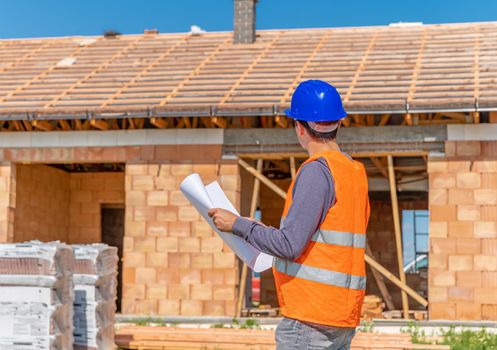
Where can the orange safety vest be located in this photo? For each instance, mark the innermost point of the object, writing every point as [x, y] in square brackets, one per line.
[326, 284]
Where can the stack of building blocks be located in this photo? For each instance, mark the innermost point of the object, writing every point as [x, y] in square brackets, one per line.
[36, 296]
[95, 288]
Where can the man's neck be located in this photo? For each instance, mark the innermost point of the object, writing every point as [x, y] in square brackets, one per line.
[318, 147]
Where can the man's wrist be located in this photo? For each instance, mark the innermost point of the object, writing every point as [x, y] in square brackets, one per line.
[241, 226]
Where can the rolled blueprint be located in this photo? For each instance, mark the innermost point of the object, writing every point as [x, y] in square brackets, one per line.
[211, 196]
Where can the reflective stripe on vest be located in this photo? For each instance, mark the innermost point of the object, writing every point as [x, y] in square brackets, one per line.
[346, 239]
[332, 278]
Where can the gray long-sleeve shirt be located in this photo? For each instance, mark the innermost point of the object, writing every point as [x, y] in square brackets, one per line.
[313, 195]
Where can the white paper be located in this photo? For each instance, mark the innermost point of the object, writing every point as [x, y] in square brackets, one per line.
[211, 196]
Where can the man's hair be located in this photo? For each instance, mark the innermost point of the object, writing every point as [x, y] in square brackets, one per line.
[323, 136]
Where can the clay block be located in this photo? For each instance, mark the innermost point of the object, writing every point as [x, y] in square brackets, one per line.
[485, 263]
[468, 212]
[157, 198]
[189, 245]
[462, 229]
[191, 308]
[443, 213]
[145, 275]
[468, 311]
[469, 279]
[201, 291]
[443, 278]
[460, 196]
[485, 229]
[460, 263]
[169, 307]
[442, 180]
[468, 180]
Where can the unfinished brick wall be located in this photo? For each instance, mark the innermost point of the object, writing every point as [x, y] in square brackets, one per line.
[463, 232]
[53, 204]
[88, 192]
[42, 199]
[174, 264]
[7, 201]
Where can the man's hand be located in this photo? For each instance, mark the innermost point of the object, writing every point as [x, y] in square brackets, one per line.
[223, 219]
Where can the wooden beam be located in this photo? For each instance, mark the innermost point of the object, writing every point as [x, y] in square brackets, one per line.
[159, 122]
[281, 121]
[408, 119]
[253, 208]
[292, 167]
[27, 125]
[64, 124]
[100, 124]
[398, 233]
[476, 117]
[384, 119]
[391, 277]
[378, 277]
[220, 122]
[42, 125]
[379, 166]
[18, 125]
[262, 178]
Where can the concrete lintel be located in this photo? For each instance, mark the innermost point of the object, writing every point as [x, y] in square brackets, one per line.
[472, 132]
[358, 139]
[111, 138]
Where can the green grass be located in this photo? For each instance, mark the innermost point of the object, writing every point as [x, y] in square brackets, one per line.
[457, 340]
[248, 324]
[469, 340]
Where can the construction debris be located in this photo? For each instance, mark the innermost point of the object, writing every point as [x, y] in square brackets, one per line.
[36, 296]
[95, 288]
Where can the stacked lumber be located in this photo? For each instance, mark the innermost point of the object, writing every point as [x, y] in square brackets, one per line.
[372, 307]
[95, 291]
[36, 296]
[168, 338]
[141, 338]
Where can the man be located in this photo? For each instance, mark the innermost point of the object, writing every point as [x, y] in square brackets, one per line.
[319, 267]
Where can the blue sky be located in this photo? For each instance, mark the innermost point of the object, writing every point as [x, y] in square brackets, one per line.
[41, 18]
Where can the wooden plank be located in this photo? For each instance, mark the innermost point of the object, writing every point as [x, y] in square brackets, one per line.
[195, 72]
[262, 178]
[298, 77]
[250, 68]
[293, 171]
[144, 71]
[100, 68]
[361, 67]
[398, 233]
[42, 125]
[379, 166]
[387, 297]
[253, 207]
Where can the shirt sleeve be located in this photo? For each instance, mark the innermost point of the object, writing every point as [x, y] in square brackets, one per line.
[313, 195]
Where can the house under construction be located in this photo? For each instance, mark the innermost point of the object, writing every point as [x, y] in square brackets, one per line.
[96, 133]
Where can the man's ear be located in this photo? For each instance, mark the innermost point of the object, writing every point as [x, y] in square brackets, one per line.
[300, 128]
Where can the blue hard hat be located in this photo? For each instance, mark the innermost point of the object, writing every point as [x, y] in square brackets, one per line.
[316, 101]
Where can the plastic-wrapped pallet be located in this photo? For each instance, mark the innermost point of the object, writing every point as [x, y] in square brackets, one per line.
[36, 296]
[95, 288]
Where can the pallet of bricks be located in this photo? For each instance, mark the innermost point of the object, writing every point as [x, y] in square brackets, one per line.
[95, 290]
[36, 296]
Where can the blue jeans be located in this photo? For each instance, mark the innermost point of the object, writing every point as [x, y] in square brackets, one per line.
[296, 335]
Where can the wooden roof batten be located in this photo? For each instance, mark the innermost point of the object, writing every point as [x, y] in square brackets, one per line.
[378, 70]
